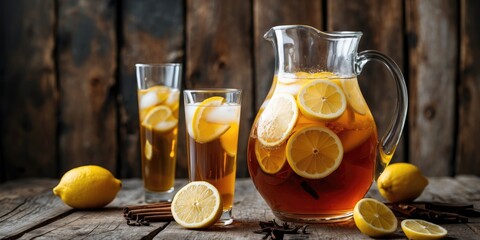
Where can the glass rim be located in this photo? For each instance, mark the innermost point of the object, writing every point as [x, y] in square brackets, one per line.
[213, 90]
[157, 64]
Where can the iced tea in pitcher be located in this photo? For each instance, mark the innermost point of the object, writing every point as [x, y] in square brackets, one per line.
[313, 147]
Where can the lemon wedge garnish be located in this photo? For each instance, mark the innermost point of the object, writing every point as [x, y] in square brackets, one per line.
[160, 118]
[201, 127]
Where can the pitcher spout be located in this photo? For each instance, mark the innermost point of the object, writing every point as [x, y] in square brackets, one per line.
[300, 48]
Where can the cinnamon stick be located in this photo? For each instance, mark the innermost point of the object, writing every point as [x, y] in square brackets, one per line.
[142, 215]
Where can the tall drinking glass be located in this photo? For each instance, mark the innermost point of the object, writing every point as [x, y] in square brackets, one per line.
[212, 119]
[158, 102]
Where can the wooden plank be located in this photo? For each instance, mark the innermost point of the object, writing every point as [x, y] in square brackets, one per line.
[467, 159]
[105, 223]
[87, 52]
[219, 53]
[432, 29]
[382, 25]
[270, 13]
[28, 204]
[152, 32]
[28, 89]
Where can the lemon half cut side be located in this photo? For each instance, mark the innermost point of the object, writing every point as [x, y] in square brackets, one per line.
[197, 205]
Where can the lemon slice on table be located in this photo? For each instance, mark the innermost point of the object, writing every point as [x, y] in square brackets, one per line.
[271, 160]
[314, 152]
[321, 100]
[161, 119]
[204, 130]
[374, 218]
[420, 229]
[277, 120]
[197, 205]
[354, 96]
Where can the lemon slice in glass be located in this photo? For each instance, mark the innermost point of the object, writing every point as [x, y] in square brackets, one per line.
[161, 119]
[271, 160]
[197, 205]
[202, 127]
[354, 95]
[229, 140]
[314, 152]
[277, 120]
[420, 229]
[321, 100]
[374, 218]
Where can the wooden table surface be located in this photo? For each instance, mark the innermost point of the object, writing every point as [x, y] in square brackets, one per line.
[28, 210]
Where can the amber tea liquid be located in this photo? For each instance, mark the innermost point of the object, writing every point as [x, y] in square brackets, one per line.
[158, 111]
[290, 195]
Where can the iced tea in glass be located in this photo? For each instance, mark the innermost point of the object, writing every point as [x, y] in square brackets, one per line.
[158, 102]
[212, 119]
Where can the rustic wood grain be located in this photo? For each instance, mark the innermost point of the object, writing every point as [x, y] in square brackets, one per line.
[218, 48]
[87, 52]
[468, 157]
[382, 25]
[270, 13]
[432, 28]
[100, 224]
[26, 211]
[151, 32]
[30, 210]
[28, 89]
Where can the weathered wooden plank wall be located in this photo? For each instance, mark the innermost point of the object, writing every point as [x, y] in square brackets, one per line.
[67, 76]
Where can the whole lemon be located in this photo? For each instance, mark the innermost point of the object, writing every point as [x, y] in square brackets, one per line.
[87, 187]
[401, 182]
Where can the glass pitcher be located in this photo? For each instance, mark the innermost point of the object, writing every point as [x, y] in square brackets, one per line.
[313, 146]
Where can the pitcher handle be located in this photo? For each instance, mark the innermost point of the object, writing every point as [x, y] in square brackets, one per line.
[388, 142]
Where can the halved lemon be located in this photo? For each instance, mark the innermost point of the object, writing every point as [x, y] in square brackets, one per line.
[229, 140]
[374, 218]
[321, 100]
[271, 160]
[354, 95]
[277, 120]
[203, 130]
[161, 119]
[420, 229]
[197, 205]
[314, 152]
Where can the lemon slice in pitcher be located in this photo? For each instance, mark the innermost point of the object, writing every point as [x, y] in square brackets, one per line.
[314, 152]
[277, 120]
[321, 100]
[271, 160]
[354, 95]
[206, 130]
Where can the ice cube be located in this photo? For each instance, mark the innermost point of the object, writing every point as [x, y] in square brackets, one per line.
[148, 100]
[224, 114]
